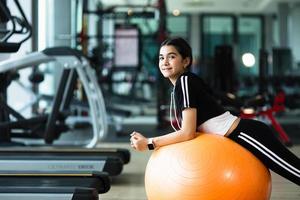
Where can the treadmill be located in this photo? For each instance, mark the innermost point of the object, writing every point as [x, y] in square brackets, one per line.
[121, 153]
[24, 160]
[36, 185]
[53, 186]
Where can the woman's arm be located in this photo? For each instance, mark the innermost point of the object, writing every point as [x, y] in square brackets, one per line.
[187, 132]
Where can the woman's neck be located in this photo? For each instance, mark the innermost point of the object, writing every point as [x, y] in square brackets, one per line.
[174, 79]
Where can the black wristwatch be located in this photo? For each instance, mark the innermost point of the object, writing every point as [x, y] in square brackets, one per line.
[151, 145]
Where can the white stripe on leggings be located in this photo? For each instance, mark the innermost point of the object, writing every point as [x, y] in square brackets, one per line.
[267, 152]
[270, 152]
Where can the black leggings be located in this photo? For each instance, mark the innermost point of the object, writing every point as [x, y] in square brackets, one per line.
[259, 139]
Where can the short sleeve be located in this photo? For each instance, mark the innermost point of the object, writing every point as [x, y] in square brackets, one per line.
[185, 92]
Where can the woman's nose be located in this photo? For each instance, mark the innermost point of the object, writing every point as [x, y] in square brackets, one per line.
[166, 61]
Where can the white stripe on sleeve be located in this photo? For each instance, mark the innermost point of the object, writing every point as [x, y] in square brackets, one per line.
[185, 91]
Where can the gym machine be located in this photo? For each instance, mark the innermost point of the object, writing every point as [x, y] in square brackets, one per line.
[77, 181]
[46, 159]
[72, 60]
[123, 81]
[53, 186]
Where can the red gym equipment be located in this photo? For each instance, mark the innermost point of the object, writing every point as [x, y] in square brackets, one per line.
[269, 112]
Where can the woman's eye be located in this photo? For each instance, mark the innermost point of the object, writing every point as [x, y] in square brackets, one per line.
[161, 58]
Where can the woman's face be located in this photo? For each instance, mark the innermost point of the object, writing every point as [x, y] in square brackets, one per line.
[171, 63]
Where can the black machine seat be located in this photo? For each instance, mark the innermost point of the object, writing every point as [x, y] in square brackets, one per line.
[9, 47]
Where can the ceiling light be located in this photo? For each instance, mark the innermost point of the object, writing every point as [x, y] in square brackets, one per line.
[176, 12]
[129, 12]
[248, 59]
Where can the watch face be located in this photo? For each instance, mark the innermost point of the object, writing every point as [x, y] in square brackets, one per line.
[150, 146]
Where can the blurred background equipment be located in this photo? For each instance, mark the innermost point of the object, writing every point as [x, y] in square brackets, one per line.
[78, 76]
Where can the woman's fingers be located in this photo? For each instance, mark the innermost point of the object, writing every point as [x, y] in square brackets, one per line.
[133, 140]
[136, 134]
[132, 144]
[138, 141]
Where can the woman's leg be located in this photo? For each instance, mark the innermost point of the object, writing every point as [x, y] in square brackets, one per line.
[259, 139]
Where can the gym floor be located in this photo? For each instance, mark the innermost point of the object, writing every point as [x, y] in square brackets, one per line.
[130, 184]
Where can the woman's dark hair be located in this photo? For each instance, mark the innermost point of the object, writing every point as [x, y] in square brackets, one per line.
[183, 48]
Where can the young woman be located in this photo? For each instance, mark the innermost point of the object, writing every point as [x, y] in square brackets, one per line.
[195, 110]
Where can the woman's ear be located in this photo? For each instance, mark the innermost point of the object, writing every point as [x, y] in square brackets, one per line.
[186, 61]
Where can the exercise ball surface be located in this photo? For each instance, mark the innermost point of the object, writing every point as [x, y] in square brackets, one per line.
[209, 167]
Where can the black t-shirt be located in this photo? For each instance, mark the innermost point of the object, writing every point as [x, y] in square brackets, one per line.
[192, 92]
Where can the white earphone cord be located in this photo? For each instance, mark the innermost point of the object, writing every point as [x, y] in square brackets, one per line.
[173, 107]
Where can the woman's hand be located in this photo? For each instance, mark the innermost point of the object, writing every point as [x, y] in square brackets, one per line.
[138, 141]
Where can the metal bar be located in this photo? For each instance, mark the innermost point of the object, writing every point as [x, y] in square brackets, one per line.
[32, 59]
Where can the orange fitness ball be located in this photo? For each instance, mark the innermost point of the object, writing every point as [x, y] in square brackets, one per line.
[209, 167]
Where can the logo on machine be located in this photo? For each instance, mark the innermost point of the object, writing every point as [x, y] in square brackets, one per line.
[70, 167]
